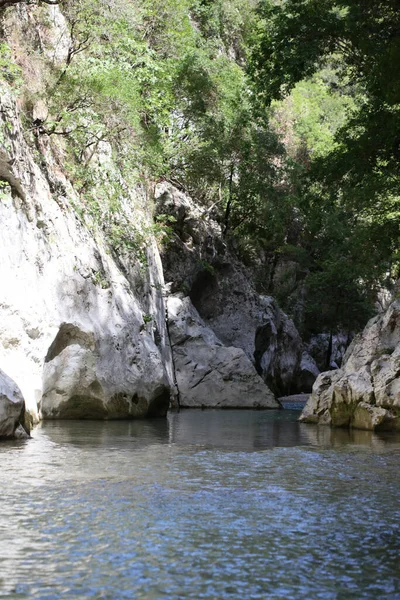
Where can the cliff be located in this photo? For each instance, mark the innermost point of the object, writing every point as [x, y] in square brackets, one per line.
[74, 334]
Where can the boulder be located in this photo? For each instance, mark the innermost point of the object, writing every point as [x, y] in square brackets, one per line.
[12, 408]
[365, 393]
[209, 374]
[373, 418]
[83, 380]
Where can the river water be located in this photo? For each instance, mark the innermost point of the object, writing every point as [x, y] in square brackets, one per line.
[234, 505]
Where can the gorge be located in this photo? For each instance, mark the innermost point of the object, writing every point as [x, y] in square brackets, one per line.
[95, 323]
[199, 299]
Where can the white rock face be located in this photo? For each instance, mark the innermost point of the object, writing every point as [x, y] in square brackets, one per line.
[11, 408]
[365, 393]
[72, 333]
[208, 373]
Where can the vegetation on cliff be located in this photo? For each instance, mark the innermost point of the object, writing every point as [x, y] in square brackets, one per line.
[280, 117]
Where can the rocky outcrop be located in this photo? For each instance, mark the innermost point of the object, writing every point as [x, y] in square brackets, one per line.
[198, 263]
[208, 373]
[365, 393]
[319, 346]
[12, 409]
[279, 354]
[82, 331]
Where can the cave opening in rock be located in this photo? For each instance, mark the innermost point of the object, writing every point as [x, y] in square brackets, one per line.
[203, 293]
[158, 407]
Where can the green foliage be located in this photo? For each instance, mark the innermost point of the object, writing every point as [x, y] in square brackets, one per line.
[4, 190]
[9, 71]
[362, 40]
[143, 78]
[99, 279]
[312, 114]
[342, 60]
[228, 23]
[206, 266]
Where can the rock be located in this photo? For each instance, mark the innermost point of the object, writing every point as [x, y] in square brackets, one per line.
[373, 418]
[278, 349]
[386, 379]
[82, 332]
[12, 407]
[197, 243]
[318, 346]
[380, 336]
[279, 354]
[79, 380]
[348, 392]
[58, 39]
[20, 433]
[7, 176]
[208, 373]
[199, 264]
[308, 372]
[317, 407]
[365, 393]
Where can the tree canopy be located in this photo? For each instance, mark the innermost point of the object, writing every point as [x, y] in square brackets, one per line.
[350, 189]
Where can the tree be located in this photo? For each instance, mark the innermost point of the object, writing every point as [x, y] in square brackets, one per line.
[363, 40]
[349, 195]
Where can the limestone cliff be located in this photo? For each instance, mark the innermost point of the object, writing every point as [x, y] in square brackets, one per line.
[75, 330]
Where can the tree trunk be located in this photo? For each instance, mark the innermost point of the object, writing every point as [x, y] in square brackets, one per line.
[229, 203]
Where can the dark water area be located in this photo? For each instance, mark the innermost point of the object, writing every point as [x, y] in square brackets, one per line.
[205, 505]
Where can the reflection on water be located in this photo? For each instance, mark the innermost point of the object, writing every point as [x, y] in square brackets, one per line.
[253, 430]
[207, 504]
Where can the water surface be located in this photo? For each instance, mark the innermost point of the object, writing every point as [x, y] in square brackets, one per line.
[205, 505]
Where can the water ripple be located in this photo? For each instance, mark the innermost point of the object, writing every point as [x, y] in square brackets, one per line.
[238, 505]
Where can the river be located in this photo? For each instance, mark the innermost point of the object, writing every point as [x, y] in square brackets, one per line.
[235, 505]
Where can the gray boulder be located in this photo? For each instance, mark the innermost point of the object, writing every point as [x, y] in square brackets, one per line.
[12, 408]
[365, 393]
[209, 374]
[84, 378]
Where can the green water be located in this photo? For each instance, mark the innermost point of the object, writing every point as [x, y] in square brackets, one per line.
[205, 505]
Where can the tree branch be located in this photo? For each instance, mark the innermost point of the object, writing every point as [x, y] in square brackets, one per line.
[4, 3]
